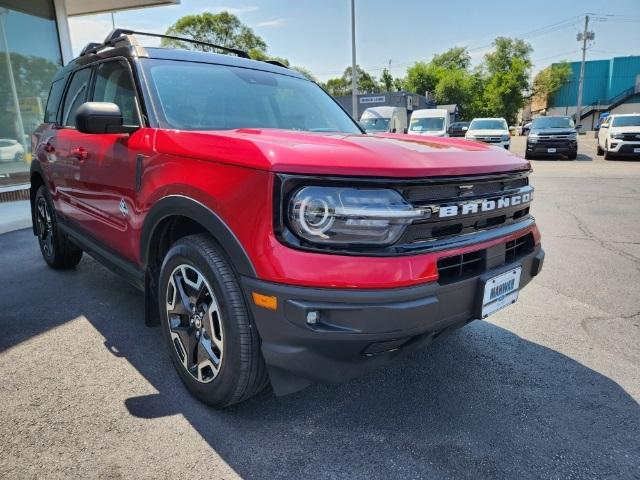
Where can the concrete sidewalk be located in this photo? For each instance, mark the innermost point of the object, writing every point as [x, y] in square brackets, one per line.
[14, 216]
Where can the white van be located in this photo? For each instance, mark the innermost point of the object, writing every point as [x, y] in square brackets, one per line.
[429, 121]
[384, 119]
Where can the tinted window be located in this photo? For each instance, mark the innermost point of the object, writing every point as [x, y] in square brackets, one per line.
[114, 85]
[432, 124]
[53, 102]
[76, 96]
[375, 124]
[631, 121]
[488, 124]
[552, 122]
[197, 96]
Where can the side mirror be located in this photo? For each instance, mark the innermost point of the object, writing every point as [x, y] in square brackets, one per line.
[405, 130]
[464, 129]
[604, 126]
[393, 130]
[579, 126]
[101, 117]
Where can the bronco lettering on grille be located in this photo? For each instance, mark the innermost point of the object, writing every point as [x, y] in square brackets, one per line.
[466, 208]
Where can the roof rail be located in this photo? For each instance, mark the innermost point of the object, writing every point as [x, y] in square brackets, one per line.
[117, 34]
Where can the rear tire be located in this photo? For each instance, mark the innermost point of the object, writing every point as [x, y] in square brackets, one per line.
[212, 339]
[57, 250]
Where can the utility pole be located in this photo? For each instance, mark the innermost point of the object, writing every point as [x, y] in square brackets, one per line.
[354, 71]
[583, 37]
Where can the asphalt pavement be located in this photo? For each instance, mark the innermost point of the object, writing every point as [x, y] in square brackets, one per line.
[548, 388]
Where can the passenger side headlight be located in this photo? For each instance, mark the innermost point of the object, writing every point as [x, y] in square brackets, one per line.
[365, 216]
[573, 136]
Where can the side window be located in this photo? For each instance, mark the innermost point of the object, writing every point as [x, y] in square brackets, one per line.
[53, 102]
[76, 96]
[114, 85]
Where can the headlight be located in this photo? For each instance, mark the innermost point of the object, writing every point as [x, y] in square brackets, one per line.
[505, 138]
[332, 215]
[573, 136]
[533, 135]
[618, 136]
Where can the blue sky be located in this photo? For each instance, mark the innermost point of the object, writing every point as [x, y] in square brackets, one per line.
[316, 34]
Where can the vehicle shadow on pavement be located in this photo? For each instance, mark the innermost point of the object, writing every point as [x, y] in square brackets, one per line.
[480, 403]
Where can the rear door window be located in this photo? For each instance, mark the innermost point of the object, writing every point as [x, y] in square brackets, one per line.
[76, 96]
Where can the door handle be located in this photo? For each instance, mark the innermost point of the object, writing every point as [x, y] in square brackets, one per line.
[80, 153]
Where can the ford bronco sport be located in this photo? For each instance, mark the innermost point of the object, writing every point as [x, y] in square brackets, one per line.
[274, 240]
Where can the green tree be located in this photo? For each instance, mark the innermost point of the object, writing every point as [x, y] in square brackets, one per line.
[386, 79]
[337, 87]
[549, 80]
[422, 77]
[304, 72]
[507, 70]
[367, 83]
[454, 58]
[224, 29]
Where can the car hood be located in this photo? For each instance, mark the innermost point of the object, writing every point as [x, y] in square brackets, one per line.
[552, 131]
[385, 155]
[631, 129]
[488, 132]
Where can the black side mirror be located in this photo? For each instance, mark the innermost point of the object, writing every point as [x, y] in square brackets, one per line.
[405, 130]
[101, 117]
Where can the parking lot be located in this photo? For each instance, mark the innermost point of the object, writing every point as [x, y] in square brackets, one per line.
[548, 388]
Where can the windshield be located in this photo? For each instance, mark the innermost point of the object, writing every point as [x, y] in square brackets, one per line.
[488, 124]
[429, 124]
[377, 124]
[631, 121]
[552, 122]
[200, 96]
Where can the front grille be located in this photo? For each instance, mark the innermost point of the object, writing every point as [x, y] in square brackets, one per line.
[437, 197]
[471, 264]
[489, 139]
[631, 137]
[458, 267]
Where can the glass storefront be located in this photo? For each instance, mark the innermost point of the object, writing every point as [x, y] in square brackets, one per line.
[29, 57]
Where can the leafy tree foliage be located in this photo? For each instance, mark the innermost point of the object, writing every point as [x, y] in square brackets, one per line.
[386, 79]
[456, 58]
[367, 83]
[549, 80]
[224, 29]
[507, 70]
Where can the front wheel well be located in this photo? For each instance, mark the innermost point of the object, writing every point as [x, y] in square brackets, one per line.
[165, 234]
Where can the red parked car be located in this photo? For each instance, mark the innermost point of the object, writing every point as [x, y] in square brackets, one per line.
[274, 240]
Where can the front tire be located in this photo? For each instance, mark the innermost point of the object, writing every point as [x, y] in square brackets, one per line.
[599, 150]
[607, 154]
[57, 250]
[213, 342]
[572, 156]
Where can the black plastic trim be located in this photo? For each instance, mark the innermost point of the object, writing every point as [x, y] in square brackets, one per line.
[110, 259]
[179, 205]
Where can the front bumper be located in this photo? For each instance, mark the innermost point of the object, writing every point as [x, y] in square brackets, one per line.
[358, 329]
[622, 147]
[568, 147]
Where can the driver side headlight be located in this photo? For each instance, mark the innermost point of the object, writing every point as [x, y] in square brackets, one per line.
[338, 216]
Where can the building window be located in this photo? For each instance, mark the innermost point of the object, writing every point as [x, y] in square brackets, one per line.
[29, 58]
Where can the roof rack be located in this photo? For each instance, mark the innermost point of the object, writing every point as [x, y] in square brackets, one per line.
[116, 36]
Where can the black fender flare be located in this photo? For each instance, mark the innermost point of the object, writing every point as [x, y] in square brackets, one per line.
[180, 205]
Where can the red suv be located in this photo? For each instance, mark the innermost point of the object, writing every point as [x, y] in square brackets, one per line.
[273, 239]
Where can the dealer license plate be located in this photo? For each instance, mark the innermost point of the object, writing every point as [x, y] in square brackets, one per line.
[551, 150]
[636, 150]
[500, 291]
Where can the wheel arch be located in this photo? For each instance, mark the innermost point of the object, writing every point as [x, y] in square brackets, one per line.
[177, 212]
